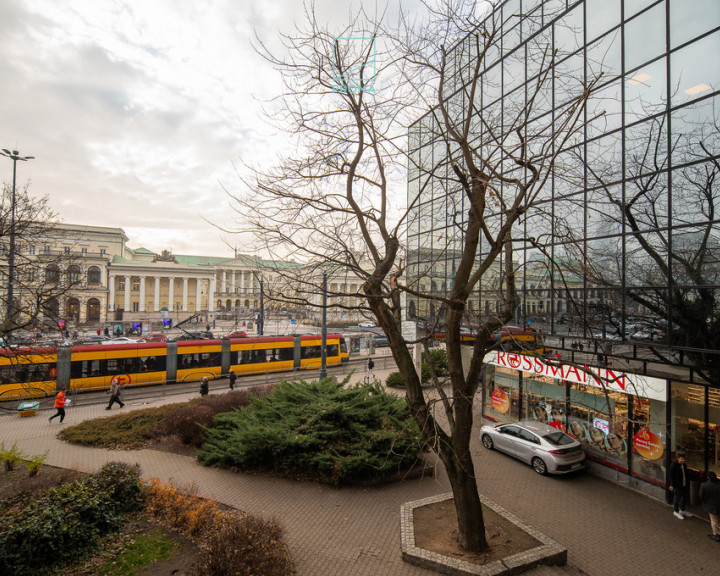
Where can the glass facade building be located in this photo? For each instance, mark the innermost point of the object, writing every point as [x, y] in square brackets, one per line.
[622, 245]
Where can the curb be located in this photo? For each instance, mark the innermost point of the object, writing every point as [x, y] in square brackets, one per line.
[549, 553]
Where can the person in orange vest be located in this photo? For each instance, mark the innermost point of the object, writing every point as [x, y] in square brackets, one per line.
[60, 406]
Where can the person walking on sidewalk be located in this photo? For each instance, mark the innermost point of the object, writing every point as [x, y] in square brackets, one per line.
[232, 377]
[204, 386]
[115, 391]
[679, 484]
[710, 498]
[370, 375]
[59, 406]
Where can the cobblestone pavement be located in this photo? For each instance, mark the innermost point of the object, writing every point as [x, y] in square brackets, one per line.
[608, 530]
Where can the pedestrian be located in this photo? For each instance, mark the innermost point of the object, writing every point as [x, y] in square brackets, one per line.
[710, 498]
[60, 401]
[204, 386]
[115, 391]
[370, 376]
[232, 377]
[679, 484]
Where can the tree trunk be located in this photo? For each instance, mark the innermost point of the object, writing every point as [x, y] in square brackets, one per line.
[471, 525]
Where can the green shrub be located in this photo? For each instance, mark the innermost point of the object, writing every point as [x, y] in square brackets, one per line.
[395, 380]
[11, 457]
[438, 358]
[36, 463]
[68, 520]
[353, 435]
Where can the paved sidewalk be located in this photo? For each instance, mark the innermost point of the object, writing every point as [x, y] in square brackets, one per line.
[608, 530]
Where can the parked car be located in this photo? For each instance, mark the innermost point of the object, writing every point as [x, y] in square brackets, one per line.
[94, 339]
[204, 335]
[238, 334]
[367, 324]
[547, 449]
[380, 341]
[153, 338]
[119, 340]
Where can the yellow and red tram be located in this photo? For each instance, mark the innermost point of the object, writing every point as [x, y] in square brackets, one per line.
[33, 373]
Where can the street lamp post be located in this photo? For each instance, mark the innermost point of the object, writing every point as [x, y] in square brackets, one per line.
[14, 156]
[323, 340]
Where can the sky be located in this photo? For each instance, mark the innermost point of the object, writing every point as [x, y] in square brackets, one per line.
[140, 112]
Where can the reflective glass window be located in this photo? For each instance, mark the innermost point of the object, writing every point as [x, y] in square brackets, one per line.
[695, 69]
[632, 7]
[690, 19]
[645, 92]
[604, 57]
[569, 31]
[645, 37]
[601, 16]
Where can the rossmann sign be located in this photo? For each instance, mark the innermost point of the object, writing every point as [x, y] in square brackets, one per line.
[614, 380]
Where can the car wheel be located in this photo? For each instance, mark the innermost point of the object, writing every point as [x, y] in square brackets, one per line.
[487, 442]
[539, 465]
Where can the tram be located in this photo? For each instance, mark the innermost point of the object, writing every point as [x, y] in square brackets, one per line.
[38, 372]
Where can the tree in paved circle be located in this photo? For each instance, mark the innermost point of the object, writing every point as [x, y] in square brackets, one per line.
[336, 201]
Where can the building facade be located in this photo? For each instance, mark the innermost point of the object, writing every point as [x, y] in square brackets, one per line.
[623, 236]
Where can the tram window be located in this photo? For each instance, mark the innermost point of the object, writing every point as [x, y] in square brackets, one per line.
[285, 354]
[311, 352]
[332, 350]
[234, 357]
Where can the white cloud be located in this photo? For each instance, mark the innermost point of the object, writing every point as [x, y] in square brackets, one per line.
[137, 110]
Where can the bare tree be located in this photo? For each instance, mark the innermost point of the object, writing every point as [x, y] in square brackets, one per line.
[337, 200]
[37, 279]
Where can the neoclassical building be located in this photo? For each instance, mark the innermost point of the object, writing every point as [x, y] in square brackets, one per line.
[98, 278]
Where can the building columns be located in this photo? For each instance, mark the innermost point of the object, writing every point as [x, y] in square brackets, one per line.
[141, 306]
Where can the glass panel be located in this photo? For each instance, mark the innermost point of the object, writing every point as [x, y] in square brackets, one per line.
[645, 37]
[632, 7]
[604, 160]
[687, 411]
[604, 110]
[645, 91]
[569, 31]
[696, 69]
[600, 423]
[604, 57]
[501, 402]
[691, 19]
[649, 441]
[695, 132]
[692, 201]
[646, 147]
[601, 16]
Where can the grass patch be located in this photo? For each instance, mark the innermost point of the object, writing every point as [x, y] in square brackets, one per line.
[144, 549]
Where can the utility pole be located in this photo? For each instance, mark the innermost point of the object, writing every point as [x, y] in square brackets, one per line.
[323, 342]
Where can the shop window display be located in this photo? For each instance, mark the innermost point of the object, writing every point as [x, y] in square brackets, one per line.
[648, 451]
[501, 402]
[689, 426]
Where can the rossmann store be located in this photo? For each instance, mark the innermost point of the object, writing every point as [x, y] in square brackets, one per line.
[631, 426]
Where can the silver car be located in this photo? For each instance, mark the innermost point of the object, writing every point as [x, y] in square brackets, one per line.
[547, 449]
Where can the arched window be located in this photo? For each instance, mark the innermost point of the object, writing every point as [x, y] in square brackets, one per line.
[72, 309]
[52, 274]
[93, 310]
[93, 275]
[73, 274]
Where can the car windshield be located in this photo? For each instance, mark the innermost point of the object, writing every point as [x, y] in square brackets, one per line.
[558, 438]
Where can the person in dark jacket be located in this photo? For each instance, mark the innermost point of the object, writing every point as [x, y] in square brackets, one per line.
[679, 483]
[710, 499]
[232, 377]
[204, 387]
[115, 391]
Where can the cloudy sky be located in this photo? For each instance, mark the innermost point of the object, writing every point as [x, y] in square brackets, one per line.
[139, 111]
